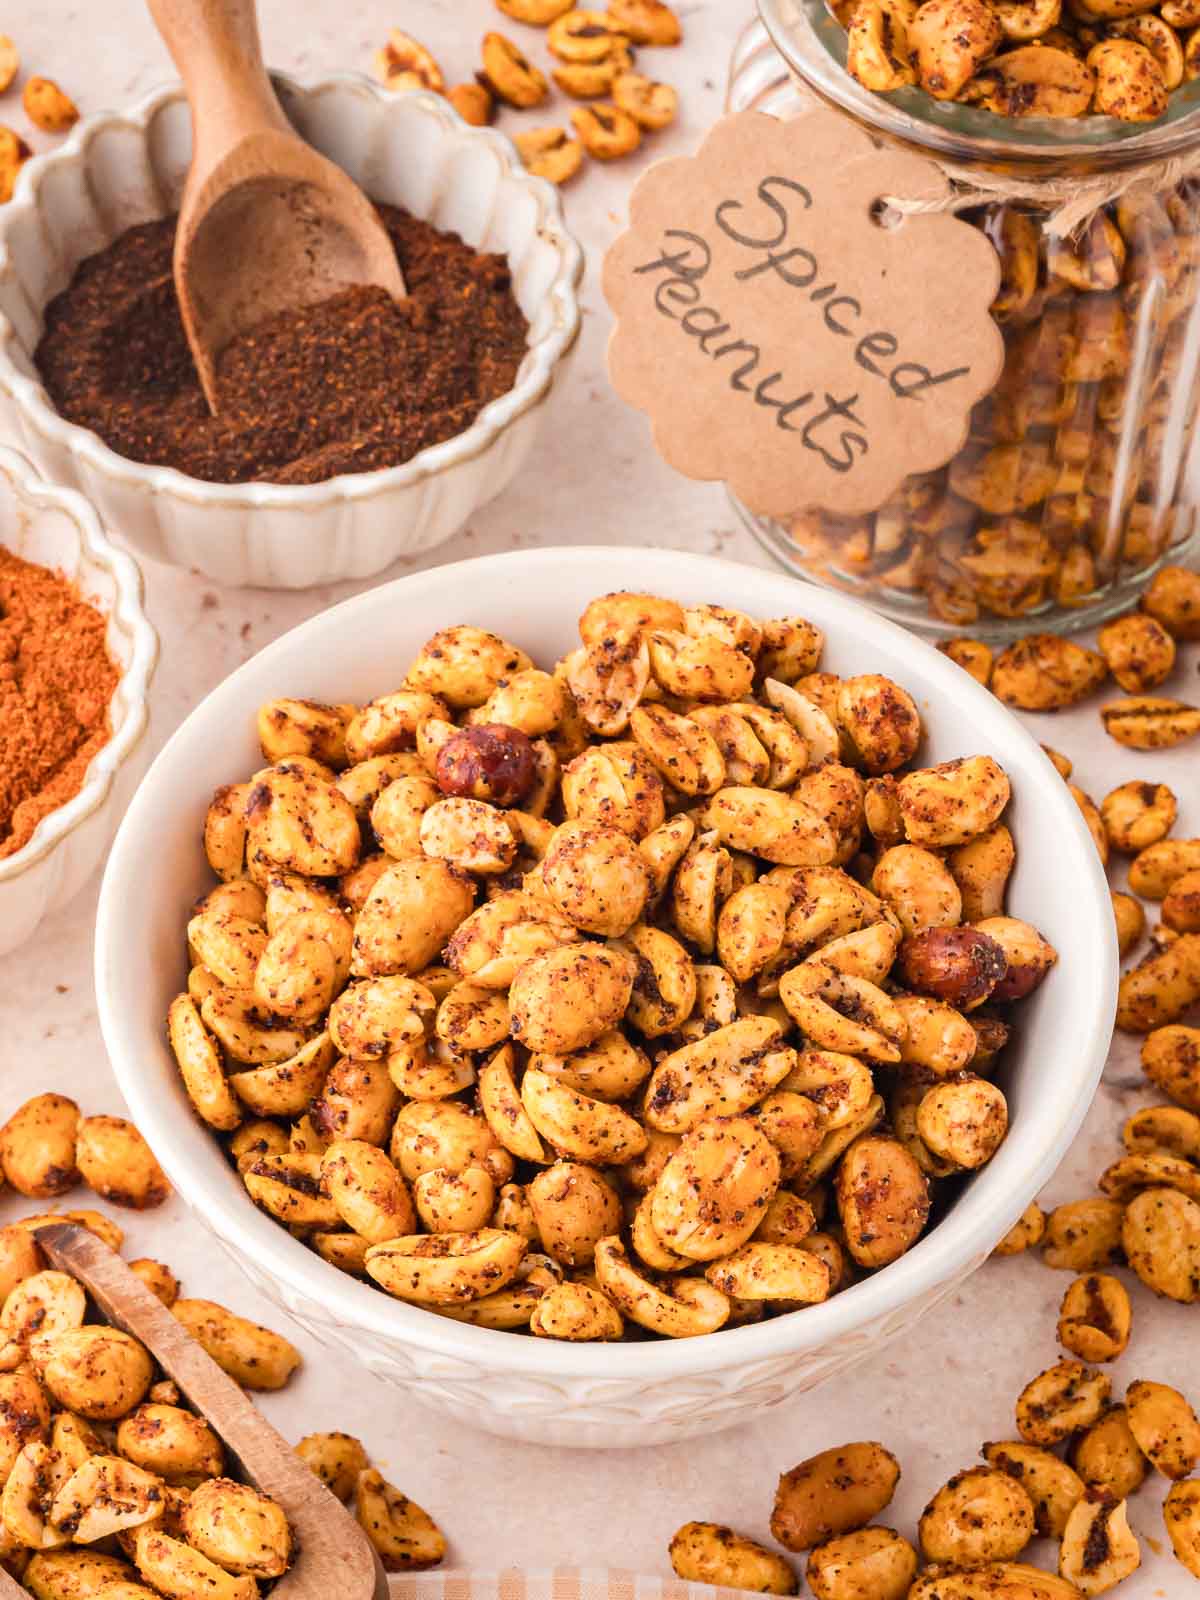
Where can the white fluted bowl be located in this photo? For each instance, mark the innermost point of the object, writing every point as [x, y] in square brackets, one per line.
[411, 150]
[57, 528]
[535, 1389]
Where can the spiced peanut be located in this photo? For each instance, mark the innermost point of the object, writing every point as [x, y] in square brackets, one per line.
[1106, 1455]
[405, 1537]
[1095, 1318]
[1060, 1400]
[607, 131]
[649, 22]
[14, 153]
[981, 1515]
[1181, 1514]
[652, 105]
[1098, 1546]
[1052, 1487]
[509, 75]
[1150, 722]
[1173, 600]
[537, 13]
[874, 1561]
[1139, 651]
[834, 1493]
[10, 62]
[403, 63]
[550, 153]
[47, 106]
[706, 1552]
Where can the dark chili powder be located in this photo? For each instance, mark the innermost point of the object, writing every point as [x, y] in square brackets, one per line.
[357, 383]
[56, 682]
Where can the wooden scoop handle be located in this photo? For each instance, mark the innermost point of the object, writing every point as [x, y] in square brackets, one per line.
[216, 47]
[335, 1558]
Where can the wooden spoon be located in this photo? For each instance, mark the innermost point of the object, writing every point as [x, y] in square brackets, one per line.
[335, 1557]
[266, 223]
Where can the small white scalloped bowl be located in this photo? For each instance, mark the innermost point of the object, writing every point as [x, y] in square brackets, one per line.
[57, 528]
[536, 1389]
[411, 150]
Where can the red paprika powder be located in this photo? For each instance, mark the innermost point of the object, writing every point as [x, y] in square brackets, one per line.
[56, 683]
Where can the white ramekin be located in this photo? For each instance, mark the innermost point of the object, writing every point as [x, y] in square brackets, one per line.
[412, 150]
[58, 529]
[535, 1389]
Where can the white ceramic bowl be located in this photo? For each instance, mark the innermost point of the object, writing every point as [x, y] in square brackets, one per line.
[412, 150]
[530, 1388]
[57, 528]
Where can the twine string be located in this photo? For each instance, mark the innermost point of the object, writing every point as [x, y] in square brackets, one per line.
[1070, 202]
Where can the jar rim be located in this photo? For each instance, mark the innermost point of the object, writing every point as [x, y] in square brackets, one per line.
[813, 44]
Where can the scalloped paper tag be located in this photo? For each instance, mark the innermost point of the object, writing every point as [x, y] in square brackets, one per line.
[786, 331]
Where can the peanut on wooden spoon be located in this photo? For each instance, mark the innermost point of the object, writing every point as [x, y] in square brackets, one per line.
[334, 1557]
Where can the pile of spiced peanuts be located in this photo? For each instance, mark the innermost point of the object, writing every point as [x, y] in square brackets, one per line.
[109, 1480]
[1140, 650]
[976, 1529]
[510, 969]
[594, 64]
[1113, 58]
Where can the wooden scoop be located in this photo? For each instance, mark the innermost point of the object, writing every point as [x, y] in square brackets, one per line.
[266, 224]
[335, 1559]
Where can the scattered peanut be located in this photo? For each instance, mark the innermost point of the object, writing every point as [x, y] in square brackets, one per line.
[1146, 722]
[706, 1552]
[606, 132]
[402, 63]
[834, 1493]
[1025, 1233]
[47, 107]
[473, 102]
[652, 105]
[1139, 651]
[14, 153]
[405, 1537]
[509, 75]
[981, 1515]
[1059, 1401]
[1171, 1061]
[1165, 1427]
[115, 1161]
[10, 62]
[1130, 920]
[1173, 599]
[1094, 1321]
[537, 13]
[1137, 815]
[1181, 1513]
[1046, 672]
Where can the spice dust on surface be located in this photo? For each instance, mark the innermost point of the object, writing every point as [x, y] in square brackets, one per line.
[354, 384]
[56, 683]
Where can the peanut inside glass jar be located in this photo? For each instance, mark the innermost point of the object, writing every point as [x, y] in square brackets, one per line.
[1073, 484]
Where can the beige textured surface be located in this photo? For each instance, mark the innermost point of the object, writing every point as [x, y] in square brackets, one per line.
[933, 1402]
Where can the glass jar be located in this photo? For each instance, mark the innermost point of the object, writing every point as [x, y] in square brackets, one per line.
[1080, 475]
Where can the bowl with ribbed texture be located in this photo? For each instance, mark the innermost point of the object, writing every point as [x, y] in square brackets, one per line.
[636, 1392]
[57, 528]
[118, 170]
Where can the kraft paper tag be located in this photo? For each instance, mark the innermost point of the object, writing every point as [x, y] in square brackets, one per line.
[786, 332]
